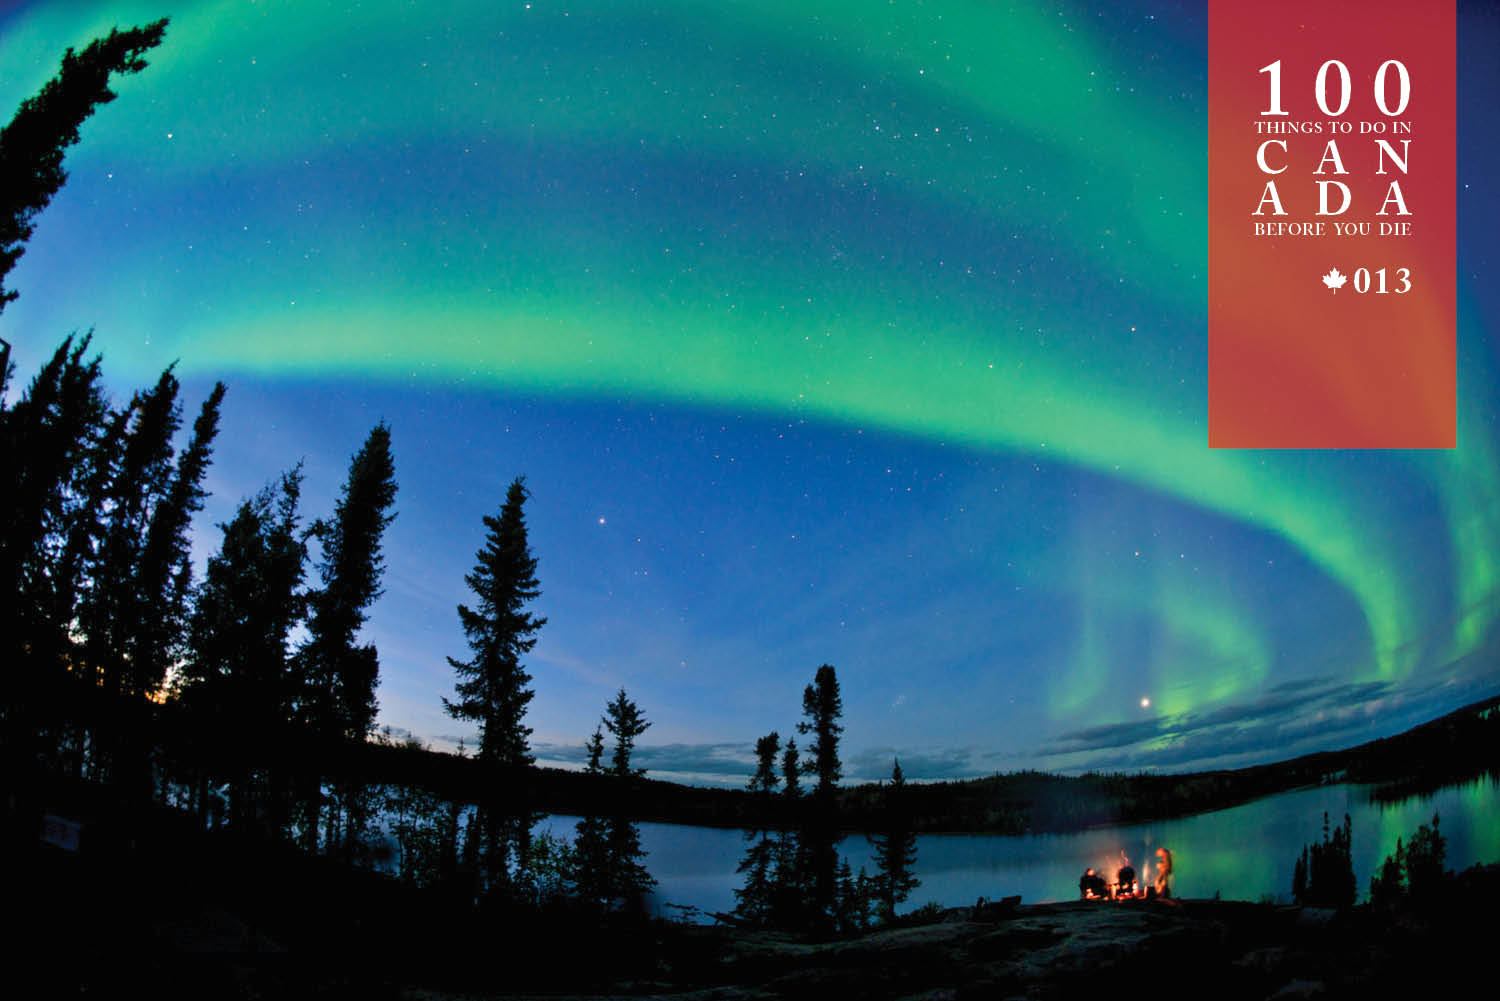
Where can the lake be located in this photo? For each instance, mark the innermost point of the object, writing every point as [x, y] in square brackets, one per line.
[1244, 853]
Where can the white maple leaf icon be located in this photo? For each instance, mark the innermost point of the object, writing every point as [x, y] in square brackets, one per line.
[1334, 280]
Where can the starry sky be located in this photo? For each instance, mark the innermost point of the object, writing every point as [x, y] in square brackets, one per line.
[866, 334]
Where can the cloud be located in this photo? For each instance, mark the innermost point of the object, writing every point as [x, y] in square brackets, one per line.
[1292, 718]
[470, 741]
[1286, 719]
[874, 764]
[712, 762]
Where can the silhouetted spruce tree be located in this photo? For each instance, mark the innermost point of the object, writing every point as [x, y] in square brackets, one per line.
[98, 544]
[1389, 885]
[82, 542]
[54, 450]
[32, 145]
[592, 844]
[754, 899]
[164, 576]
[821, 709]
[235, 686]
[1416, 872]
[162, 583]
[111, 607]
[895, 849]
[851, 909]
[1343, 887]
[628, 877]
[492, 688]
[1325, 872]
[110, 602]
[46, 439]
[338, 675]
[1426, 854]
[791, 774]
[789, 900]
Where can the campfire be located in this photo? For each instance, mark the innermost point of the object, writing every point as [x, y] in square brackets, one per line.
[1126, 884]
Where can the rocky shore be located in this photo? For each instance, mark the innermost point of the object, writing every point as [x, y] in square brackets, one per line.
[1163, 949]
[170, 915]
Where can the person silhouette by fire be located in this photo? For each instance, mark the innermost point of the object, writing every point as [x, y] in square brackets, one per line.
[1164, 872]
[1125, 878]
[1092, 885]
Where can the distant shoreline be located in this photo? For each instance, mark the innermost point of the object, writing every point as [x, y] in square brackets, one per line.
[1455, 748]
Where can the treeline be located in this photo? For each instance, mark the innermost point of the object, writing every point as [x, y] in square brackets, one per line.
[1459, 746]
[248, 699]
[120, 669]
[95, 540]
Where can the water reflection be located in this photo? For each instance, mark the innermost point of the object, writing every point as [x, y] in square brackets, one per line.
[1244, 853]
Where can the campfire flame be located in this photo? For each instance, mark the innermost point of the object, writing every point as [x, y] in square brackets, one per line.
[1117, 892]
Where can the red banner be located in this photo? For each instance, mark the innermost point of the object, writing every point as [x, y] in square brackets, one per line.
[1331, 229]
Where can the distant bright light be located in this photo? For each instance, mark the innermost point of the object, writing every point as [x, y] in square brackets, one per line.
[601, 521]
[1145, 703]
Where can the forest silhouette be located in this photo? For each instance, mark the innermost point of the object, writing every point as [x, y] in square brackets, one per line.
[247, 700]
[225, 726]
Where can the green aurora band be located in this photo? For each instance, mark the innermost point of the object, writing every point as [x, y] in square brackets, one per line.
[926, 102]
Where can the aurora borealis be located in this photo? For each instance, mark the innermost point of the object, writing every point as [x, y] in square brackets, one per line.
[866, 334]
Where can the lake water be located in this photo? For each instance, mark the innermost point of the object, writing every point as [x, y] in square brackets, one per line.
[1244, 853]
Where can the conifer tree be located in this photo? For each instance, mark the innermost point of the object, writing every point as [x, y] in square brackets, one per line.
[48, 436]
[113, 610]
[164, 574]
[821, 708]
[49, 442]
[791, 772]
[1426, 853]
[592, 844]
[754, 899]
[33, 143]
[624, 720]
[492, 688]
[896, 848]
[343, 675]
[866, 889]
[235, 685]
[1388, 886]
[1416, 872]
[338, 675]
[54, 647]
[628, 877]
[1325, 872]
[848, 906]
[53, 447]
[112, 602]
[788, 887]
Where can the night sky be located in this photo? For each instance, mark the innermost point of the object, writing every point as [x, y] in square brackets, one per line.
[854, 333]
